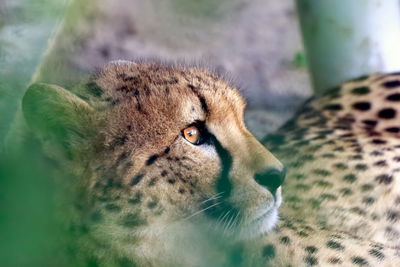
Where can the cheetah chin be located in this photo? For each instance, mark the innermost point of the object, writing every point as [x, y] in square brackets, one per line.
[263, 221]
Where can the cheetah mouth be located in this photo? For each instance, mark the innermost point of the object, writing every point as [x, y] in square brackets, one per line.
[239, 224]
[264, 221]
[250, 228]
[259, 226]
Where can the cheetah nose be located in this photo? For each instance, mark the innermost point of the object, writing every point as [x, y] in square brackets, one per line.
[271, 178]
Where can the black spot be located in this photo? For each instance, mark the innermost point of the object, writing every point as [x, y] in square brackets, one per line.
[384, 179]
[335, 260]
[322, 183]
[341, 166]
[392, 215]
[391, 84]
[358, 211]
[132, 220]
[356, 157]
[371, 123]
[378, 141]
[164, 173]
[152, 204]
[350, 178]
[346, 191]
[123, 89]
[181, 191]
[346, 135]
[328, 155]
[190, 86]
[151, 160]
[363, 106]
[302, 233]
[334, 245]
[334, 107]
[358, 149]
[366, 187]
[322, 172]
[171, 181]
[359, 261]
[137, 179]
[360, 90]
[136, 199]
[268, 252]
[376, 153]
[311, 260]
[327, 196]
[381, 163]
[392, 130]
[94, 89]
[394, 97]
[376, 253]
[112, 207]
[387, 113]
[299, 176]
[285, 240]
[166, 151]
[174, 80]
[368, 200]
[311, 249]
[391, 233]
[315, 203]
[361, 167]
[152, 181]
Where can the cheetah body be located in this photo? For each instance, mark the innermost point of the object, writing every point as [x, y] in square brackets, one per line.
[141, 178]
[342, 193]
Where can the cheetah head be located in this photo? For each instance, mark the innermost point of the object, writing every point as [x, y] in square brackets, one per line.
[154, 144]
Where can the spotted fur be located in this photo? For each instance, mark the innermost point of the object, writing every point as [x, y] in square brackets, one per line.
[342, 195]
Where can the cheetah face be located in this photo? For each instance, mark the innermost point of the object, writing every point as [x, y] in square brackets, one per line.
[163, 144]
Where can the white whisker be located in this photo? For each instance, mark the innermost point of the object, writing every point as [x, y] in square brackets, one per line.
[197, 212]
[216, 196]
[223, 218]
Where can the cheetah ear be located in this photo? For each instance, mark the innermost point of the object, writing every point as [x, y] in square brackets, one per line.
[56, 114]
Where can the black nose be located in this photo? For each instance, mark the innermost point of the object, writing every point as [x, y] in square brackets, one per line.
[271, 178]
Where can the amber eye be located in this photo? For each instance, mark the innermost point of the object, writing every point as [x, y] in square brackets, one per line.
[192, 134]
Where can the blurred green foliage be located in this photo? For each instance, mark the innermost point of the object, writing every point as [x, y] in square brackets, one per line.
[32, 232]
[30, 228]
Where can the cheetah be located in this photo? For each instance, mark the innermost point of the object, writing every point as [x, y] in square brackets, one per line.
[158, 151]
[156, 147]
[342, 192]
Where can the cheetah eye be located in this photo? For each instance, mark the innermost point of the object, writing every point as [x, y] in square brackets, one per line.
[192, 134]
